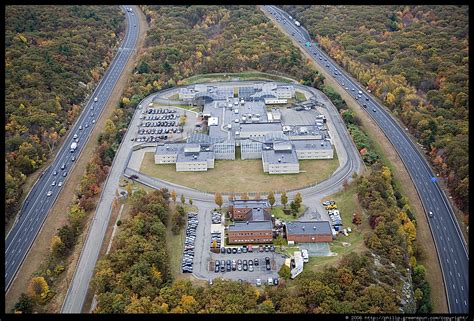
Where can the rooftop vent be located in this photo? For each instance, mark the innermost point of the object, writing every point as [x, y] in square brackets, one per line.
[314, 228]
[247, 222]
[302, 228]
[279, 160]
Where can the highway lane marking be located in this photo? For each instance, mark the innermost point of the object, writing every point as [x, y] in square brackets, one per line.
[456, 299]
[459, 275]
[450, 273]
[454, 287]
[462, 288]
[437, 227]
[447, 260]
[444, 248]
[465, 303]
[452, 251]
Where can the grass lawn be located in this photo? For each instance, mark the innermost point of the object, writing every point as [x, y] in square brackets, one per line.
[249, 75]
[278, 212]
[174, 97]
[240, 175]
[347, 204]
[300, 96]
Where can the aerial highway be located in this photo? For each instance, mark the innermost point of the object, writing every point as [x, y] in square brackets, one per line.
[42, 196]
[449, 242]
[79, 285]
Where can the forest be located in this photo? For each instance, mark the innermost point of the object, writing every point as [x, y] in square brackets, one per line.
[135, 277]
[54, 56]
[415, 60]
[188, 40]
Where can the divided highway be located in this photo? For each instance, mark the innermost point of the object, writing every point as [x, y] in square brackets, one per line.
[79, 285]
[42, 196]
[449, 242]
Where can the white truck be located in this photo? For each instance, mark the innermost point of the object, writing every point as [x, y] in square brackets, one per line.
[73, 147]
[297, 23]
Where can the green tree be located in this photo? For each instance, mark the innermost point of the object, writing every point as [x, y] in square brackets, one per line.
[284, 199]
[284, 272]
[271, 198]
[218, 199]
[183, 199]
[24, 304]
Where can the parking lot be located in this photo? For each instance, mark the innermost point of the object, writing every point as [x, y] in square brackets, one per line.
[158, 125]
[249, 266]
[188, 251]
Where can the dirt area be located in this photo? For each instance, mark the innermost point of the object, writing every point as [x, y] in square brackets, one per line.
[57, 217]
[425, 239]
[241, 175]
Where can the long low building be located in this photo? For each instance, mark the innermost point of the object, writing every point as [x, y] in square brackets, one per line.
[250, 232]
[313, 149]
[308, 231]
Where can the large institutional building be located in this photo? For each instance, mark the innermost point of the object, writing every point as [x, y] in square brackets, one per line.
[245, 122]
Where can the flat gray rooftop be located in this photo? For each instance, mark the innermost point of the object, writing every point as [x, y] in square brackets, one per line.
[312, 144]
[308, 227]
[194, 157]
[251, 226]
[168, 148]
[271, 127]
[279, 157]
[249, 203]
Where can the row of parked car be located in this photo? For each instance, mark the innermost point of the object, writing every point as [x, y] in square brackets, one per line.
[159, 117]
[239, 265]
[215, 240]
[163, 123]
[188, 252]
[249, 249]
[159, 111]
[216, 218]
[150, 139]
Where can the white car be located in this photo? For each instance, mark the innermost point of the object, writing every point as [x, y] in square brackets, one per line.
[93, 121]
[60, 184]
[80, 127]
[49, 193]
[430, 214]
[96, 99]
[54, 183]
[259, 282]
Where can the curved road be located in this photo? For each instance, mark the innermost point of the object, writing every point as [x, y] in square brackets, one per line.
[449, 242]
[77, 290]
[37, 204]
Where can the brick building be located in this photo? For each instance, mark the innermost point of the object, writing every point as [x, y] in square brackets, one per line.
[308, 231]
[250, 232]
[249, 210]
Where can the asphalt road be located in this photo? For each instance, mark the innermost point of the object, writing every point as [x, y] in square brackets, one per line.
[449, 242]
[37, 204]
[77, 290]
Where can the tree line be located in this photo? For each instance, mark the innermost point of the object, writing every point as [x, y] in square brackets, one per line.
[53, 57]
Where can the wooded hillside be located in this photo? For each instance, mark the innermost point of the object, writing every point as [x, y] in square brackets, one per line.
[415, 59]
[188, 40]
[54, 55]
